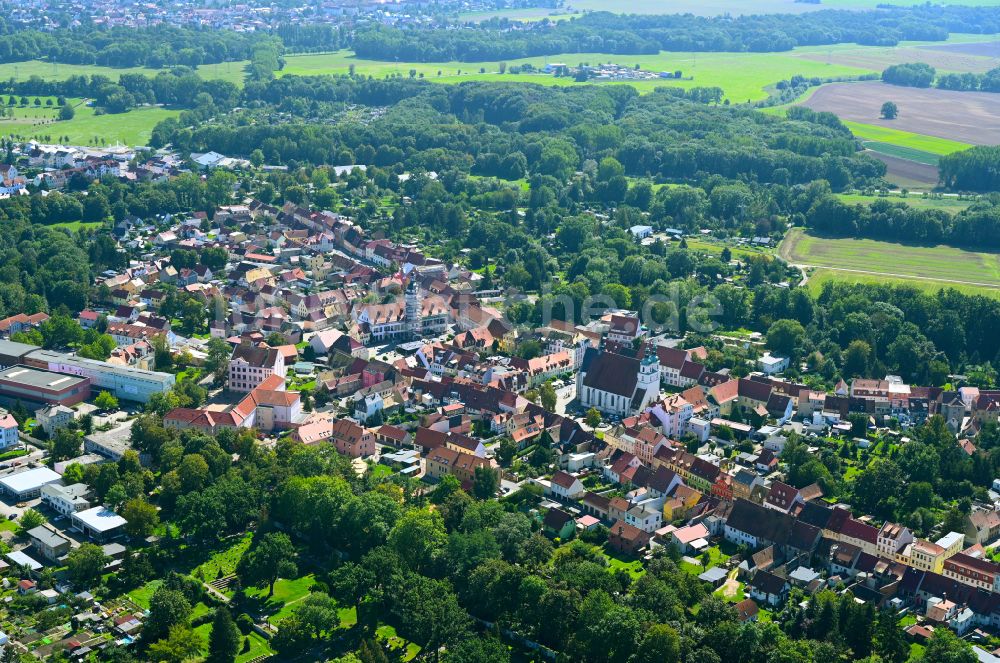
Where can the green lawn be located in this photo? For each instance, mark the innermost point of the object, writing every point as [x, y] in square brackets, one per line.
[715, 247]
[86, 128]
[939, 265]
[404, 649]
[77, 226]
[258, 647]
[525, 15]
[286, 594]
[743, 76]
[729, 596]
[616, 561]
[142, 595]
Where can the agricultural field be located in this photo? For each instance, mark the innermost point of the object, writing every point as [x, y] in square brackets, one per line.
[964, 117]
[52, 71]
[928, 145]
[868, 260]
[820, 276]
[956, 55]
[743, 76]
[905, 167]
[950, 204]
[86, 128]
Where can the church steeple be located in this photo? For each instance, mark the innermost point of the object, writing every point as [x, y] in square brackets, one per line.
[414, 310]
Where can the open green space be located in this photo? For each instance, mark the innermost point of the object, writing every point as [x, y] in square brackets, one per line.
[818, 277]
[54, 71]
[901, 152]
[617, 562]
[223, 562]
[873, 261]
[287, 592]
[258, 647]
[401, 647]
[716, 247]
[77, 226]
[141, 595]
[949, 204]
[719, 7]
[743, 76]
[87, 127]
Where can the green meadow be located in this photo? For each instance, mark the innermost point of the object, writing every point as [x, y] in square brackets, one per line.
[86, 128]
[53, 71]
[743, 76]
[874, 261]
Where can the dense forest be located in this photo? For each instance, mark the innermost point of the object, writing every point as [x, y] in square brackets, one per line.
[602, 32]
[975, 169]
[663, 134]
[155, 47]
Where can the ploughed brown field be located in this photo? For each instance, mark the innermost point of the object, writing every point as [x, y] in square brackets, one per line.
[988, 49]
[942, 57]
[908, 174]
[967, 117]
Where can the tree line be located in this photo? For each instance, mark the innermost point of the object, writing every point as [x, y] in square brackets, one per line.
[178, 86]
[977, 226]
[602, 32]
[919, 74]
[155, 47]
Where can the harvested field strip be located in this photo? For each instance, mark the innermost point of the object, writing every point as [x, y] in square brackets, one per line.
[819, 276]
[944, 264]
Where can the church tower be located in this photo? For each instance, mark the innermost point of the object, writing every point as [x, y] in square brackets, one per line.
[649, 371]
[414, 311]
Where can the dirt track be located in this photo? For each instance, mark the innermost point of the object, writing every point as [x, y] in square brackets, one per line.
[968, 117]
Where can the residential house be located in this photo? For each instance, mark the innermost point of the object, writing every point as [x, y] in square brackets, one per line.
[769, 588]
[558, 523]
[351, 439]
[9, 436]
[627, 539]
[566, 486]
